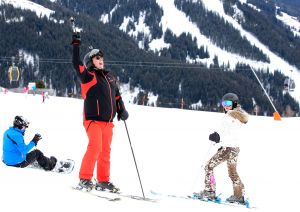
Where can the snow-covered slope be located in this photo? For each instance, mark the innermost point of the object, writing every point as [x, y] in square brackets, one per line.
[29, 5]
[170, 146]
[291, 22]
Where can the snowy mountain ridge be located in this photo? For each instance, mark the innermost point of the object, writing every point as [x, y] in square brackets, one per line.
[182, 24]
[29, 5]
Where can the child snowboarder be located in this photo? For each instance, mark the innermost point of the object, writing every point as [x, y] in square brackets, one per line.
[234, 118]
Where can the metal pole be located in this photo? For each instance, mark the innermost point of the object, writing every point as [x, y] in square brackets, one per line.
[203, 163]
[290, 81]
[134, 160]
[263, 89]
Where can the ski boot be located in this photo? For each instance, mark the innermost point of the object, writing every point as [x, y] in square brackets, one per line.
[85, 184]
[235, 199]
[206, 195]
[106, 186]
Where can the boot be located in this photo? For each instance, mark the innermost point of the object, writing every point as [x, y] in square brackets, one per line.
[235, 199]
[49, 163]
[53, 162]
[102, 186]
[210, 195]
[85, 184]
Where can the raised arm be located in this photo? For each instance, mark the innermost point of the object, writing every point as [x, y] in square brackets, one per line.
[81, 71]
[76, 52]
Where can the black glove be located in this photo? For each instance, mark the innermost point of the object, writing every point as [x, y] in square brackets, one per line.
[123, 115]
[76, 40]
[215, 137]
[36, 138]
[122, 112]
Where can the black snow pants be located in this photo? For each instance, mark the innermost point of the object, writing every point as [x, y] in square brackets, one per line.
[36, 155]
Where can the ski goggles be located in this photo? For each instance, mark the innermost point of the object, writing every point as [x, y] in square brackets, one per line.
[227, 103]
[98, 57]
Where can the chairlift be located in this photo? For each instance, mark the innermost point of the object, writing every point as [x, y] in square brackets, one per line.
[292, 85]
[289, 84]
[13, 73]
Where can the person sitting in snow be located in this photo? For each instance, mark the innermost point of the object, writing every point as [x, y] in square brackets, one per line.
[17, 153]
[227, 137]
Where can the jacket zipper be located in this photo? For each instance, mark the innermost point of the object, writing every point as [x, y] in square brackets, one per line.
[111, 114]
[98, 109]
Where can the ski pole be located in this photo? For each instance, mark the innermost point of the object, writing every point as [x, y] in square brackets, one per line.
[134, 160]
[205, 156]
[203, 161]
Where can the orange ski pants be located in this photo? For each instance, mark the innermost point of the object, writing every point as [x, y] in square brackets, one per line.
[98, 150]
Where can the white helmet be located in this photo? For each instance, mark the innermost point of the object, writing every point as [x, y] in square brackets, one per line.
[87, 60]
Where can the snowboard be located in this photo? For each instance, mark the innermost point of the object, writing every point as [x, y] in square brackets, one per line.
[64, 166]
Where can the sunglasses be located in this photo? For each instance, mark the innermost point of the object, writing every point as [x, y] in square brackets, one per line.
[24, 127]
[227, 103]
[98, 57]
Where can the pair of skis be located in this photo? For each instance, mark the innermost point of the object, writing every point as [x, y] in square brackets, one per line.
[113, 196]
[195, 196]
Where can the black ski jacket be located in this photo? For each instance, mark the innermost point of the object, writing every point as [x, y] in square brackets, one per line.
[99, 91]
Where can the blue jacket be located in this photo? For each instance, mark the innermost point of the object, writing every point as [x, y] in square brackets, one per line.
[14, 147]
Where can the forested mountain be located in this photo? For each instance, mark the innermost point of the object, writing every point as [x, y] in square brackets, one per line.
[183, 70]
[290, 6]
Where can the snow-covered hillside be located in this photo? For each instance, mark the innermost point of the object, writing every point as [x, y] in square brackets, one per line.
[291, 22]
[170, 146]
[175, 20]
[182, 24]
[29, 5]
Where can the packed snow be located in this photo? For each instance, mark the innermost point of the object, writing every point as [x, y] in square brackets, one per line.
[170, 146]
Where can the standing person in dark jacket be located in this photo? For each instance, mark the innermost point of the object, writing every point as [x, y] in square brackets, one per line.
[102, 101]
[17, 153]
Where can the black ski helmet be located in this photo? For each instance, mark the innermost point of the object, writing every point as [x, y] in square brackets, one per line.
[232, 97]
[87, 60]
[20, 122]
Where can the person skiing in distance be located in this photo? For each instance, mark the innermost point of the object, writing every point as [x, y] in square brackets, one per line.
[227, 137]
[17, 153]
[43, 96]
[102, 100]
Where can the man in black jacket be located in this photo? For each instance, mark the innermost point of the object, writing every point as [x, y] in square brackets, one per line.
[102, 101]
